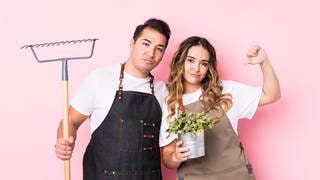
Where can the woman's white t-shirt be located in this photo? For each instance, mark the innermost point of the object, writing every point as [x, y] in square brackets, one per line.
[245, 101]
[96, 93]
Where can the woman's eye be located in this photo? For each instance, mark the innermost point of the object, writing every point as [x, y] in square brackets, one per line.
[190, 60]
[204, 64]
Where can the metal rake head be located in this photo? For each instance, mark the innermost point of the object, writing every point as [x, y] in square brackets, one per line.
[58, 43]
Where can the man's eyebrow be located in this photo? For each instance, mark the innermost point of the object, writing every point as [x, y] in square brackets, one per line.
[147, 40]
[160, 45]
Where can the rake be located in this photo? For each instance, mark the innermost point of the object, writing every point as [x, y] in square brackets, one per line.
[64, 61]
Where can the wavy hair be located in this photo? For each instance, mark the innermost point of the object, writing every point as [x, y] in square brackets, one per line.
[212, 97]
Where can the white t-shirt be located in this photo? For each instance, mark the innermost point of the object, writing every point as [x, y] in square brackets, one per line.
[245, 101]
[96, 93]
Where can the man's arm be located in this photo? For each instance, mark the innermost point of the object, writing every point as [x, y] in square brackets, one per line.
[64, 147]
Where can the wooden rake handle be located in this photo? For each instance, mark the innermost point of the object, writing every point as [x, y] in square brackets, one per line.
[65, 82]
[65, 122]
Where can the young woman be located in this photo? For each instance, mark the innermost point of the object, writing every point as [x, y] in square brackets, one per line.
[194, 83]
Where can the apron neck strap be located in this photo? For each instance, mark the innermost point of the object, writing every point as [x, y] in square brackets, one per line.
[120, 89]
[181, 106]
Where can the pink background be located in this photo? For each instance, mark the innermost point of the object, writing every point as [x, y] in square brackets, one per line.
[282, 141]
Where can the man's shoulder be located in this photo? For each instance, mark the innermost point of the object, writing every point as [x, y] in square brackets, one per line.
[106, 71]
[160, 90]
[158, 84]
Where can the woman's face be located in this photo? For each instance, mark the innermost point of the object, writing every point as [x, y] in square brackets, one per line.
[195, 68]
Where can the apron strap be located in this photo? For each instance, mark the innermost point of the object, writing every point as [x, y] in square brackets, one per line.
[181, 108]
[120, 89]
[151, 83]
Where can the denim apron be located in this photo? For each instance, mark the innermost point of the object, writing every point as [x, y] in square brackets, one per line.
[125, 146]
[224, 158]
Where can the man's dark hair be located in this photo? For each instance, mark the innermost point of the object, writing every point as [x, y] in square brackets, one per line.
[155, 24]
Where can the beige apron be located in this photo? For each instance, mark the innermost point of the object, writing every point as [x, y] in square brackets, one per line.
[224, 159]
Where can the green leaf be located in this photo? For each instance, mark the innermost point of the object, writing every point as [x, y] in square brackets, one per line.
[189, 123]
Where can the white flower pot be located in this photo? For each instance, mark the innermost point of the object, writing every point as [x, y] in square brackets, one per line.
[194, 143]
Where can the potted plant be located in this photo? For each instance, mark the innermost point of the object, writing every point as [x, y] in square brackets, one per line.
[190, 129]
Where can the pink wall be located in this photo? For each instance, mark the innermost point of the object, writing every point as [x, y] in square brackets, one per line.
[282, 140]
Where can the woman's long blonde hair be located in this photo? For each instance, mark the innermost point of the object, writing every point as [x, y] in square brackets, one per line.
[212, 97]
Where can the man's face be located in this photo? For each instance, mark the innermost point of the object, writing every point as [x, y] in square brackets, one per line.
[147, 51]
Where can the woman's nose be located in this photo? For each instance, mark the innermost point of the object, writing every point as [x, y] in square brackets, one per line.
[196, 67]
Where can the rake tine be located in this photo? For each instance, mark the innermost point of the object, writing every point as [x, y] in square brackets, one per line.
[58, 43]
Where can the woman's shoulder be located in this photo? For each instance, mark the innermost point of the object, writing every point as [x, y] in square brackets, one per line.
[228, 85]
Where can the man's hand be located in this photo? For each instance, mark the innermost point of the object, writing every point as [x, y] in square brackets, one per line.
[64, 148]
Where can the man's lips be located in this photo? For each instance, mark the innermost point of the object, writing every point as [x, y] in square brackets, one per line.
[149, 61]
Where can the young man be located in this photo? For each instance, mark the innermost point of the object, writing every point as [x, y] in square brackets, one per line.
[122, 102]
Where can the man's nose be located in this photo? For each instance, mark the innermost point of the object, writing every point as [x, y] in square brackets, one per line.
[151, 52]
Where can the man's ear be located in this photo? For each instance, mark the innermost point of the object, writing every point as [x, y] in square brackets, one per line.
[131, 43]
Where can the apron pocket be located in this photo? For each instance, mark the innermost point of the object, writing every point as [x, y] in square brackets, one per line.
[131, 135]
